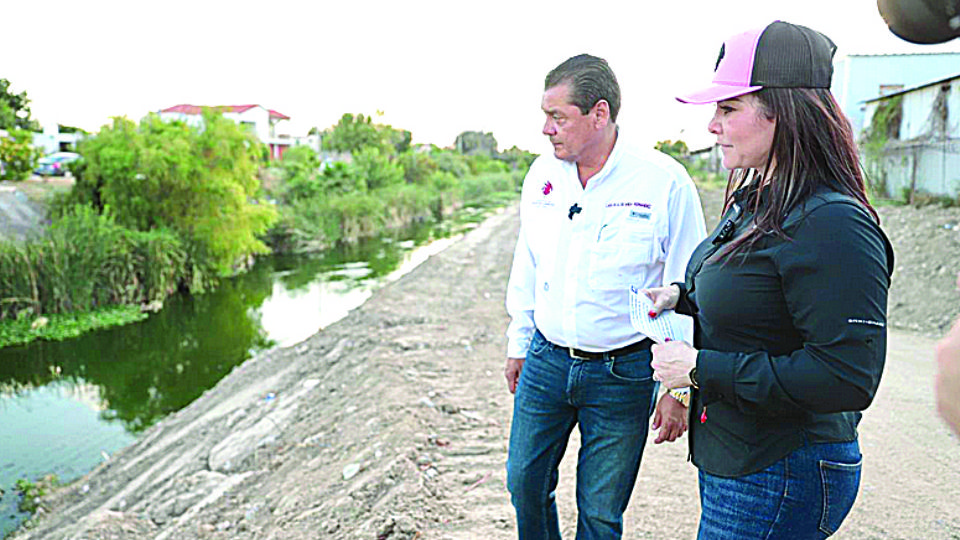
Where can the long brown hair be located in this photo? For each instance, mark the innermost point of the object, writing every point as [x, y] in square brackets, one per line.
[813, 148]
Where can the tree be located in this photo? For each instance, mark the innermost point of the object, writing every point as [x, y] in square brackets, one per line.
[15, 109]
[18, 155]
[354, 133]
[677, 150]
[377, 169]
[201, 183]
[476, 142]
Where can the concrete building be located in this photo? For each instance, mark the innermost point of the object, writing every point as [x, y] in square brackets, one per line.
[259, 120]
[918, 150]
[858, 78]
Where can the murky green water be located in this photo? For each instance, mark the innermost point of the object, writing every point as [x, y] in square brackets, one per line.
[66, 406]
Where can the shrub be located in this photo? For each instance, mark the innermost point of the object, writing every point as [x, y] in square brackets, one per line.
[18, 155]
[88, 261]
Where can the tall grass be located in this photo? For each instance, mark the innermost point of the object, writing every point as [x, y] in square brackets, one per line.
[86, 262]
[313, 223]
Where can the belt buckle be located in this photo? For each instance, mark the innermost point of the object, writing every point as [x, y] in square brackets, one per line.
[573, 354]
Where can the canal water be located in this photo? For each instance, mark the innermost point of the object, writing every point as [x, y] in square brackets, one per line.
[65, 407]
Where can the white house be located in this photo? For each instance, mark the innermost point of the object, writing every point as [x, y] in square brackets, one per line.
[858, 78]
[922, 149]
[260, 120]
[50, 140]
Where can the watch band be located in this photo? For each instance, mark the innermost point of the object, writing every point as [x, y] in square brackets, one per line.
[682, 395]
[693, 379]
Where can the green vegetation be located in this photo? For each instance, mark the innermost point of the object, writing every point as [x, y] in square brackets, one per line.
[884, 127]
[58, 327]
[163, 206]
[199, 183]
[387, 183]
[18, 155]
[699, 169]
[32, 492]
[87, 261]
[15, 109]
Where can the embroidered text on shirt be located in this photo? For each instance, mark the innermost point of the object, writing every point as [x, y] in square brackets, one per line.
[864, 321]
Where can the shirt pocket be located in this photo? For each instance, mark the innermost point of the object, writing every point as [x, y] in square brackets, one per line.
[623, 250]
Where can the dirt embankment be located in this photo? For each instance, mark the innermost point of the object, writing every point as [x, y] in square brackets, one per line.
[393, 423]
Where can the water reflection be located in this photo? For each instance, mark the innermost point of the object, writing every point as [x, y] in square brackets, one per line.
[118, 382]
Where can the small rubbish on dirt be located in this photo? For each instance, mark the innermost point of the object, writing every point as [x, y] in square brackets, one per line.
[472, 415]
[270, 396]
[351, 470]
[426, 402]
[482, 479]
[302, 349]
[449, 409]
[311, 383]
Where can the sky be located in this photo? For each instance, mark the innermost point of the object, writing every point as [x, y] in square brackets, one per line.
[435, 68]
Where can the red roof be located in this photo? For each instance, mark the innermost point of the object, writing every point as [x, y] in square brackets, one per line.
[197, 109]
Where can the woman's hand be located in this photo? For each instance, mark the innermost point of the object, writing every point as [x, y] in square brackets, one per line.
[672, 362]
[662, 298]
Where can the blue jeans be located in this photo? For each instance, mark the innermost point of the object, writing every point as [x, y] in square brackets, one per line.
[612, 400]
[805, 495]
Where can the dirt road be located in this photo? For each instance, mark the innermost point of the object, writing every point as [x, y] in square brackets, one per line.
[393, 424]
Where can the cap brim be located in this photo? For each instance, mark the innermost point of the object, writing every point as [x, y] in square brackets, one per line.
[717, 92]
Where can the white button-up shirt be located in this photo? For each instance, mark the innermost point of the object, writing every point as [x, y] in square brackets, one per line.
[639, 221]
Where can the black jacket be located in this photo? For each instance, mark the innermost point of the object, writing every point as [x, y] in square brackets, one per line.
[792, 334]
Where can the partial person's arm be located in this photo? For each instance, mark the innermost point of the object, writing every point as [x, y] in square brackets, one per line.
[687, 230]
[948, 376]
[835, 276]
[520, 305]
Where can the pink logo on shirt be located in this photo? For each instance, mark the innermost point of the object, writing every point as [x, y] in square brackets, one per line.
[547, 188]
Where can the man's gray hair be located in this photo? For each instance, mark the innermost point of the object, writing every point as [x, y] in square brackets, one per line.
[590, 79]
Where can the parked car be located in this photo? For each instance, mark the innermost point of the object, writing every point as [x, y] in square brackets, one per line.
[55, 164]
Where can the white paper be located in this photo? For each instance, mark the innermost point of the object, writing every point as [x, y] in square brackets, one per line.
[667, 325]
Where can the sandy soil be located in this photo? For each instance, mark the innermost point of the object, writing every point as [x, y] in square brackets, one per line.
[393, 423]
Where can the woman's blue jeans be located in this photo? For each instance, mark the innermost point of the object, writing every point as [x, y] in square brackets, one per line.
[805, 495]
[611, 399]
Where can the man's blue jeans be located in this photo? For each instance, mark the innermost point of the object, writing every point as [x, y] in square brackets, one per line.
[612, 400]
[805, 495]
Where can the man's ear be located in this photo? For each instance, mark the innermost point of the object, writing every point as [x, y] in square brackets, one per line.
[601, 114]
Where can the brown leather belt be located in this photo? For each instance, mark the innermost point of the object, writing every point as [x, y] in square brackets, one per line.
[641, 345]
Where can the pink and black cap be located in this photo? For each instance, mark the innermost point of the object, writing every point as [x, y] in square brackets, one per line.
[781, 55]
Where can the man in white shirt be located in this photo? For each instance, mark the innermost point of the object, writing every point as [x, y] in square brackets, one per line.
[600, 215]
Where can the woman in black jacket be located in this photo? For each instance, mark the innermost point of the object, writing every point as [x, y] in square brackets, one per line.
[789, 296]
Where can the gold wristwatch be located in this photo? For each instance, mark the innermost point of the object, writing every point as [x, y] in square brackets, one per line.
[682, 395]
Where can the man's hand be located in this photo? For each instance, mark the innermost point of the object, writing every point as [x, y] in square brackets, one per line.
[512, 373]
[670, 418]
